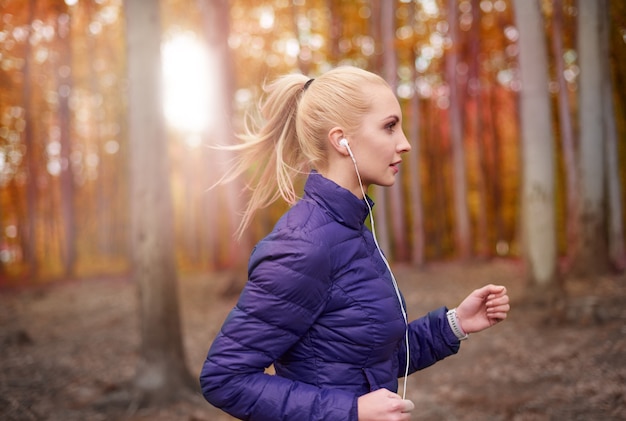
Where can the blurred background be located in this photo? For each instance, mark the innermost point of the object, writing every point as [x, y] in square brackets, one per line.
[64, 138]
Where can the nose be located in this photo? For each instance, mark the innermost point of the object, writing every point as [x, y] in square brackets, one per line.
[403, 144]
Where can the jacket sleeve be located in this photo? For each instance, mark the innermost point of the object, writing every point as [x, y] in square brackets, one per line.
[288, 285]
[430, 339]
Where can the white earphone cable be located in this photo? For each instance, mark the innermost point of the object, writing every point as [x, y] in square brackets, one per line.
[393, 278]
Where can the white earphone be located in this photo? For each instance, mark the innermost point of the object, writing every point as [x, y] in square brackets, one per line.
[344, 142]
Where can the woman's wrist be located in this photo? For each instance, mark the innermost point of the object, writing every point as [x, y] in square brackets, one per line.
[455, 325]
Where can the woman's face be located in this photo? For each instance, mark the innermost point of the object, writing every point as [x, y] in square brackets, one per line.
[379, 142]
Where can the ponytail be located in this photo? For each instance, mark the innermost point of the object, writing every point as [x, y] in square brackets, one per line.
[293, 136]
[271, 151]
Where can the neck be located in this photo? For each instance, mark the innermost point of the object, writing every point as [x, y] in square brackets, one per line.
[346, 179]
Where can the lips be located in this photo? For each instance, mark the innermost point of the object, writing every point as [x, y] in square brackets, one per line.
[395, 167]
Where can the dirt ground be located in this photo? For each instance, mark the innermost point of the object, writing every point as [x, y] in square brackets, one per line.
[67, 350]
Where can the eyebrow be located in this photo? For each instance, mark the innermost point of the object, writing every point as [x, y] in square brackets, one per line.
[393, 117]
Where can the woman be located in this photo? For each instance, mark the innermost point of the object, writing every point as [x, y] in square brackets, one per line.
[321, 303]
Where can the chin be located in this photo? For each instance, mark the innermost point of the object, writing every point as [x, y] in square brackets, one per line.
[387, 183]
[383, 182]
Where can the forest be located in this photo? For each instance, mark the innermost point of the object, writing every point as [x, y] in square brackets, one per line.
[110, 114]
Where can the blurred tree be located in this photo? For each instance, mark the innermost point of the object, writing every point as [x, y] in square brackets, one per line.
[29, 240]
[216, 27]
[461, 212]
[537, 196]
[64, 89]
[102, 210]
[592, 253]
[400, 250]
[161, 372]
[475, 129]
[415, 189]
[617, 250]
[376, 64]
[568, 144]
[499, 135]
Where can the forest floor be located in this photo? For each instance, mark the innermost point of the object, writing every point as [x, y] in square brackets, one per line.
[67, 350]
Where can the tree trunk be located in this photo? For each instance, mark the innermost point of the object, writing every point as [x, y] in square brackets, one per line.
[161, 373]
[191, 216]
[617, 250]
[567, 139]
[439, 173]
[379, 193]
[31, 216]
[415, 184]
[65, 85]
[216, 26]
[538, 203]
[461, 211]
[103, 230]
[497, 167]
[390, 73]
[592, 258]
[475, 105]
[438, 205]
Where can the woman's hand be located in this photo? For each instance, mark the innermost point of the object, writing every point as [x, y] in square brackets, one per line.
[384, 405]
[483, 308]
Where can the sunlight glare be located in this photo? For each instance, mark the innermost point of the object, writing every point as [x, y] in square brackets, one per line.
[292, 47]
[266, 19]
[187, 78]
[430, 7]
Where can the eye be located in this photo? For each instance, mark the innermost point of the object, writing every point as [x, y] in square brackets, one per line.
[390, 126]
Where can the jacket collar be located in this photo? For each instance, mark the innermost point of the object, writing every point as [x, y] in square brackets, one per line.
[339, 202]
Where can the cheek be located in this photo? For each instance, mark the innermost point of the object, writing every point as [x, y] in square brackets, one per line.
[377, 148]
[388, 150]
[378, 159]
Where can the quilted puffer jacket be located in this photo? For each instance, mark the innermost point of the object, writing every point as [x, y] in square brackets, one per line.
[320, 305]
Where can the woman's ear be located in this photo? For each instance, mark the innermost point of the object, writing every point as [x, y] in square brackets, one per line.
[335, 136]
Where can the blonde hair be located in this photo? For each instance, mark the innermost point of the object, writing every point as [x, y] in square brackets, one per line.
[293, 136]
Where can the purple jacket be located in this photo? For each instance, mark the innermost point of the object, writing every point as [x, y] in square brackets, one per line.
[320, 305]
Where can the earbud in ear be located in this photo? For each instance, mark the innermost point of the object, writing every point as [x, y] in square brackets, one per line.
[344, 142]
